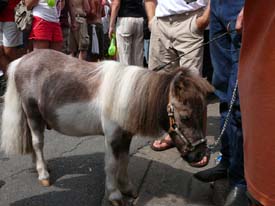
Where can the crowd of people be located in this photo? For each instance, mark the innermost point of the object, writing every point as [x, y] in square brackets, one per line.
[74, 27]
[83, 29]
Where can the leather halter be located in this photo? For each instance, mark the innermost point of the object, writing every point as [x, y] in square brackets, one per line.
[190, 146]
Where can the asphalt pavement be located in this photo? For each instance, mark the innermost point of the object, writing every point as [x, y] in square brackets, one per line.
[77, 174]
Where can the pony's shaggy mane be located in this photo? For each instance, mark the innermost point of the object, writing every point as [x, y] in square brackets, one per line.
[136, 98]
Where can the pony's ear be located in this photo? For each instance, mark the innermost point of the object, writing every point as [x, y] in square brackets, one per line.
[178, 83]
[185, 79]
[205, 86]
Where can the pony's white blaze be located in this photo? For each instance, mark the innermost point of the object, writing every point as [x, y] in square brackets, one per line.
[12, 114]
[117, 90]
[79, 119]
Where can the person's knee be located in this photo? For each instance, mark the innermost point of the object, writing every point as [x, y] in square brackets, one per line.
[3, 59]
[11, 53]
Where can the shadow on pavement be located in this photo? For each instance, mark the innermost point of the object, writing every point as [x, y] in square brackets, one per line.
[79, 181]
[213, 128]
[2, 183]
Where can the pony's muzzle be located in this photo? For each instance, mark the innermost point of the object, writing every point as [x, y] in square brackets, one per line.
[197, 154]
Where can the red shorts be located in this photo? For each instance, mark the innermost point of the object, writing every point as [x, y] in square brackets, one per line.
[44, 30]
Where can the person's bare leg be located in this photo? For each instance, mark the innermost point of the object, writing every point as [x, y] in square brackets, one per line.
[41, 44]
[82, 55]
[162, 144]
[8, 54]
[205, 159]
[4, 60]
[56, 45]
[12, 53]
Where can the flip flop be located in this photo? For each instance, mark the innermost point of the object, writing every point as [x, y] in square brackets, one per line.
[197, 165]
[169, 145]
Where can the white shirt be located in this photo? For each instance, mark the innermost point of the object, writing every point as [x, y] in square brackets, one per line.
[171, 7]
[45, 12]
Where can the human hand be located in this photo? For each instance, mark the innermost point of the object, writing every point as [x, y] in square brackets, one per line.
[239, 22]
[150, 22]
[60, 4]
[30, 3]
[202, 23]
[111, 31]
[203, 20]
[74, 26]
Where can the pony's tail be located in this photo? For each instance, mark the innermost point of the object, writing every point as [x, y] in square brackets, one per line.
[16, 136]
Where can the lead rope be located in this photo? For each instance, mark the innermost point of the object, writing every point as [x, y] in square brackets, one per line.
[233, 99]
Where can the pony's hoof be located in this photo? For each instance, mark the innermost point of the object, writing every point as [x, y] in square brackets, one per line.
[117, 203]
[126, 202]
[45, 182]
[129, 190]
[131, 193]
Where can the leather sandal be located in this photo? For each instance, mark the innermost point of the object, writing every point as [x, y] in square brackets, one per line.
[197, 165]
[169, 145]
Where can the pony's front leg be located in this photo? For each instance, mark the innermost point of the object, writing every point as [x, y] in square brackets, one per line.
[117, 159]
[111, 168]
[117, 144]
[124, 183]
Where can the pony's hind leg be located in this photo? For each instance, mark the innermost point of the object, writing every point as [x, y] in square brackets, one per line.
[41, 166]
[37, 127]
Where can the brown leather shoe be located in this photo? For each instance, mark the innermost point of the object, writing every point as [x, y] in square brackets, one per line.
[212, 174]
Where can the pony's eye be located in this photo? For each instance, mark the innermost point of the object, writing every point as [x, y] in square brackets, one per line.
[185, 118]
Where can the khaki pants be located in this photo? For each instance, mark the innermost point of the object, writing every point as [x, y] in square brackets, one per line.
[129, 36]
[79, 39]
[173, 36]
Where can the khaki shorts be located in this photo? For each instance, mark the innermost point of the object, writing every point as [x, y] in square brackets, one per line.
[175, 35]
[79, 39]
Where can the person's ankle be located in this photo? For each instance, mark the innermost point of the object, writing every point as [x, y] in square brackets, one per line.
[223, 163]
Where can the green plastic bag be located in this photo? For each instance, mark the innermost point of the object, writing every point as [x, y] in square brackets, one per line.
[112, 47]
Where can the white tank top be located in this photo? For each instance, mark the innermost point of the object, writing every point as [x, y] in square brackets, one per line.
[45, 12]
[171, 7]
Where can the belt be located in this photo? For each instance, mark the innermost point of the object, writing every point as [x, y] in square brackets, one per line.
[184, 15]
[81, 15]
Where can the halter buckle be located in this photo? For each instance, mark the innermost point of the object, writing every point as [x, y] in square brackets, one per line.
[174, 128]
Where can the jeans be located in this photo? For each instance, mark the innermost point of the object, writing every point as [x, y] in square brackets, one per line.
[225, 56]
